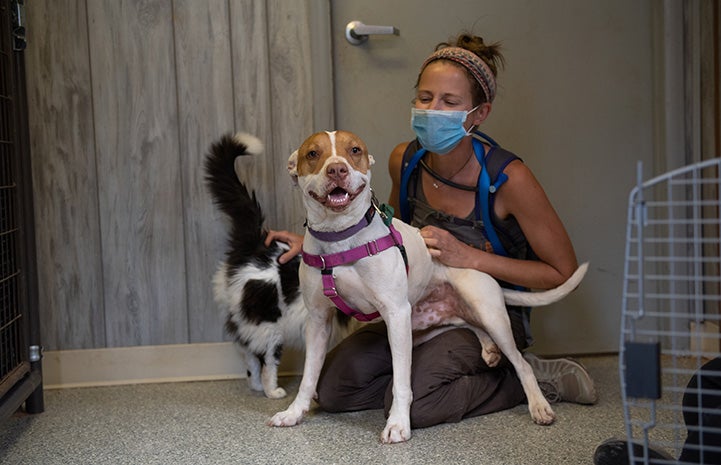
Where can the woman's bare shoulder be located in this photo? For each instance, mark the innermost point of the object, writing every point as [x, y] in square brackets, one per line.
[396, 160]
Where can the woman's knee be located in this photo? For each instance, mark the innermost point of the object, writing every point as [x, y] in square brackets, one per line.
[456, 352]
[353, 370]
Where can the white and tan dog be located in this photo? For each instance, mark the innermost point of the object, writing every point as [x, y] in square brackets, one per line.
[332, 170]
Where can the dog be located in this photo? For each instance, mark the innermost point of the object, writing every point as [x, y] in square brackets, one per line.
[332, 170]
[260, 297]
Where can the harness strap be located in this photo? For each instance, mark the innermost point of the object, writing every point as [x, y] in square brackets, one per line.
[354, 254]
[326, 263]
[329, 291]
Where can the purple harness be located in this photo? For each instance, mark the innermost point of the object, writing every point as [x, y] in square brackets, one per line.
[326, 262]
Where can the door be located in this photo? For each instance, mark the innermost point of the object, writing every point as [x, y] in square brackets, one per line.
[574, 102]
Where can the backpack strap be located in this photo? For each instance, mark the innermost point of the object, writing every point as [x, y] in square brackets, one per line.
[485, 189]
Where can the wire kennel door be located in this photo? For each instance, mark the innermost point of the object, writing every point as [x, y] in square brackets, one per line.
[20, 359]
[671, 299]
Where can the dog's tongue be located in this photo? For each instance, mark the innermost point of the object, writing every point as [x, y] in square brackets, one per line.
[338, 198]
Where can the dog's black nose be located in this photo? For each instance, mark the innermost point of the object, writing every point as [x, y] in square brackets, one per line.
[337, 171]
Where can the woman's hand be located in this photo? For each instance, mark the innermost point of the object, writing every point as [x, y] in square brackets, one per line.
[294, 241]
[444, 247]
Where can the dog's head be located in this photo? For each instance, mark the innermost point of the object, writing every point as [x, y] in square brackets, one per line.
[333, 171]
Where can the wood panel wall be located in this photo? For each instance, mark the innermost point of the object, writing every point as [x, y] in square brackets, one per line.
[125, 97]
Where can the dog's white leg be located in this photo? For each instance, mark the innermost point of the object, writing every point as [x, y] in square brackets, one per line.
[487, 309]
[538, 405]
[499, 328]
[316, 335]
[398, 426]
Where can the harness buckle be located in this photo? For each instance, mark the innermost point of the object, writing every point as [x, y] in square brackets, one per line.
[330, 292]
[372, 247]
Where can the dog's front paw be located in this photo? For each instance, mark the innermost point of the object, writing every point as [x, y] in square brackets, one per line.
[394, 433]
[277, 393]
[289, 417]
[542, 413]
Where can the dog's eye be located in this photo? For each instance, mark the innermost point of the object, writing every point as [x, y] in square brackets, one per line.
[312, 154]
[355, 150]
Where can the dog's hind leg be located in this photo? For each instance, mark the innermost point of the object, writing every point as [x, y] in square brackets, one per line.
[538, 405]
[486, 309]
[490, 352]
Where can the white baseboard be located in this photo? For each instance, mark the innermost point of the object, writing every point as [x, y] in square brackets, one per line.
[151, 364]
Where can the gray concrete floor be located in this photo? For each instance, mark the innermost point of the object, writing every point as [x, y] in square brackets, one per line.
[223, 422]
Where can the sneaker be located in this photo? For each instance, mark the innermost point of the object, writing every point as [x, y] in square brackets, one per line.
[615, 452]
[563, 379]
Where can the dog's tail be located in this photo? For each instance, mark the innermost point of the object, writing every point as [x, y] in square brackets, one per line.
[537, 299]
[229, 194]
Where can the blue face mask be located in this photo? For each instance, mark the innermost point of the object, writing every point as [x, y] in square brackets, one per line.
[439, 131]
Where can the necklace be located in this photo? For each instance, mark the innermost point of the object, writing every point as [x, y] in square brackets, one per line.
[448, 181]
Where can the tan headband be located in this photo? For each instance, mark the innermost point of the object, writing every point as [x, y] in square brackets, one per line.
[478, 68]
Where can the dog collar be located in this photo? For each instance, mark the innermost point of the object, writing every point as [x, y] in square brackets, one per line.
[326, 263]
[334, 236]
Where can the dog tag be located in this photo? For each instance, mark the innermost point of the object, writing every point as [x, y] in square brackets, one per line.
[386, 212]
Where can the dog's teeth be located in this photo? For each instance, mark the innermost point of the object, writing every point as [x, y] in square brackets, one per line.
[336, 200]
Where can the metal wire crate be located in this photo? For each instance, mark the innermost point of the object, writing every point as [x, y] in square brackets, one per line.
[20, 352]
[671, 308]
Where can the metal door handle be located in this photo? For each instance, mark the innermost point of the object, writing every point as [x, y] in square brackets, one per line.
[356, 32]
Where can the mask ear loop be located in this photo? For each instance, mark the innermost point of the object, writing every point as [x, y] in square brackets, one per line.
[473, 127]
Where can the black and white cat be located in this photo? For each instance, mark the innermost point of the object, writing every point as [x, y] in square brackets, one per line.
[264, 311]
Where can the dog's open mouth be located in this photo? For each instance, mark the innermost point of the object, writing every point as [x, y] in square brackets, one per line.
[337, 198]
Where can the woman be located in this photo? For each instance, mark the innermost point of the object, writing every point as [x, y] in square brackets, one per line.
[435, 185]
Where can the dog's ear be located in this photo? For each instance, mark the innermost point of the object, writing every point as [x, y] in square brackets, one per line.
[371, 160]
[293, 167]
